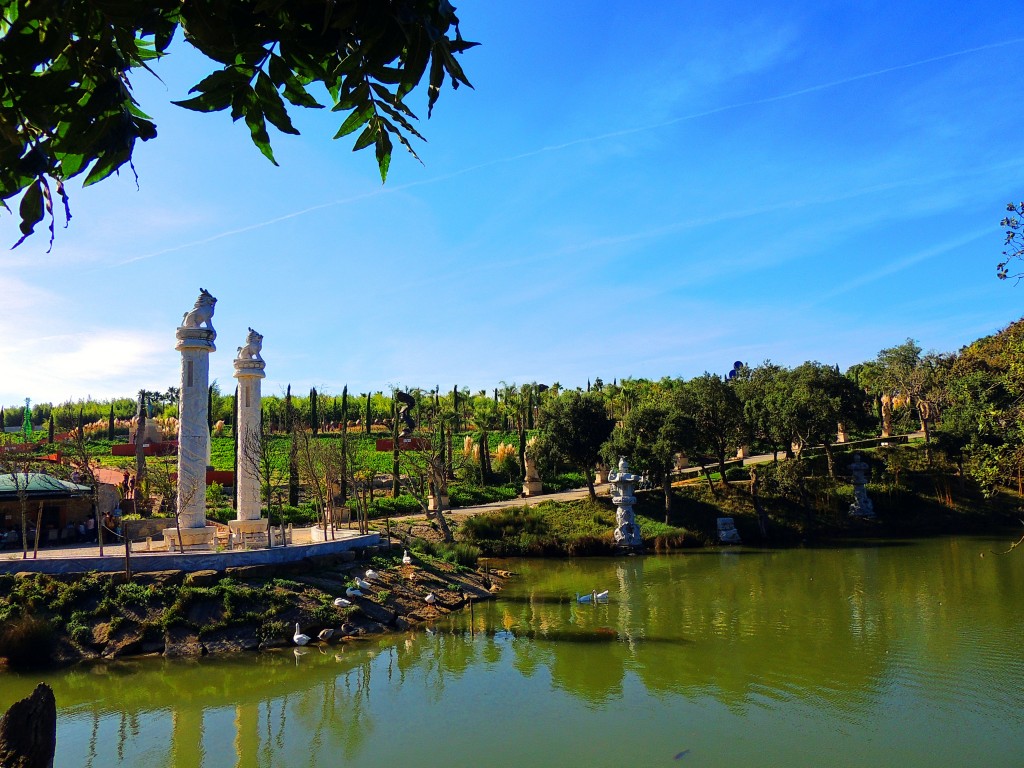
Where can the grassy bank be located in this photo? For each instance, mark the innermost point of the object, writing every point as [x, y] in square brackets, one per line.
[914, 494]
[56, 620]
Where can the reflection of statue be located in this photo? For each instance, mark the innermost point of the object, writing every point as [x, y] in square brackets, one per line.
[201, 313]
[253, 347]
[407, 401]
[860, 471]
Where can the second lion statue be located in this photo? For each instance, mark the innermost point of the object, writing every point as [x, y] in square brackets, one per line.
[253, 347]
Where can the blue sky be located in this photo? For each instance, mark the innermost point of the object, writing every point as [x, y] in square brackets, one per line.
[646, 190]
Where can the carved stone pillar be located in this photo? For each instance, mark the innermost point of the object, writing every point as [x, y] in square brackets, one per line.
[249, 370]
[195, 344]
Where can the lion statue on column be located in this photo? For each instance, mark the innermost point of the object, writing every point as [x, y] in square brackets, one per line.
[201, 313]
[253, 347]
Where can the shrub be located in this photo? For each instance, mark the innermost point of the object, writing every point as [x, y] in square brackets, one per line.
[564, 482]
[271, 631]
[215, 493]
[737, 473]
[133, 594]
[26, 641]
[458, 553]
[390, 507]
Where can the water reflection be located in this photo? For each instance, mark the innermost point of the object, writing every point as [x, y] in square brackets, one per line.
[899, 643]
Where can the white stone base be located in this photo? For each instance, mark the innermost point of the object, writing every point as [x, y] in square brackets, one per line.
[239, 527]
[432, 502]
[318, 534]
[533, 488]
[191, 538]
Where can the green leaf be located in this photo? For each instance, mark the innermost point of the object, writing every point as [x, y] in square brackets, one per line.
[207, 102]
[273, 106]
[355, 121]
[107, 164]
[366, 138]
[258, 130]
[31, 208]
[383, 154]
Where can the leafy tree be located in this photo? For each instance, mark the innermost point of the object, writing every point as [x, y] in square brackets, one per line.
[982, 424]
[67, 107]
[574, 427]
[819, 399]
[718, 416]
[651, 435]
[1014, 241]
[763, 393]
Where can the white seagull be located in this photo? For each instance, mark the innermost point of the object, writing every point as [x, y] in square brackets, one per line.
[430, 598]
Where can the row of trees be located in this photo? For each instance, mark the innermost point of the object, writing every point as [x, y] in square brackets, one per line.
[969, 404]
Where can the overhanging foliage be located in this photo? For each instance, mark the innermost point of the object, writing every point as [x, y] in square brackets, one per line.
[66, 102]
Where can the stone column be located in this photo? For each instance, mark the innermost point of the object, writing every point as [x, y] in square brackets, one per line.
[249, 370]
[195, 344]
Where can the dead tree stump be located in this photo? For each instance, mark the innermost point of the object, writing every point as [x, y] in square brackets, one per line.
[28, 731]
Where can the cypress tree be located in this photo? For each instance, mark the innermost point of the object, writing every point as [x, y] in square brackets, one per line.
[234, 460]
[81, 423]
[366, 421]
[455, 407]
[344, 444]
[51, 429]
[314, 416]
[394, 446]
[293, 453]
[288, 409]
[110, 424]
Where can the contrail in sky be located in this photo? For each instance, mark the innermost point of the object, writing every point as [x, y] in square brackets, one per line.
[577, 142]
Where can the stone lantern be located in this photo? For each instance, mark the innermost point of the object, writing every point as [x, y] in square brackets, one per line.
[627, 533]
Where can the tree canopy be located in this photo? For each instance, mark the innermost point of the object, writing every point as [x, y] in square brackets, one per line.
[66, 102]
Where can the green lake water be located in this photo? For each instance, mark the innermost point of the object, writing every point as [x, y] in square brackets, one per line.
[906, 655]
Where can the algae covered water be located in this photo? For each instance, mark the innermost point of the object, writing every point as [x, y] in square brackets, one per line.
[908, 654]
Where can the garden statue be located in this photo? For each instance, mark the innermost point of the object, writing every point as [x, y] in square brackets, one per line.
[253, 347]
[861, 473]
[407, 401]
[627, 532]
[201, 313]
[195, 344]
[532, 485]
[250, 370]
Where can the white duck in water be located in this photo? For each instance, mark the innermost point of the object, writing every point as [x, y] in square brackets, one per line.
[362, 584]
[372, 575]
[406, 560]
[298, 637]
[430, 598]
[341, 602]
[325, 635]
[602, 596]
[353, 592]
